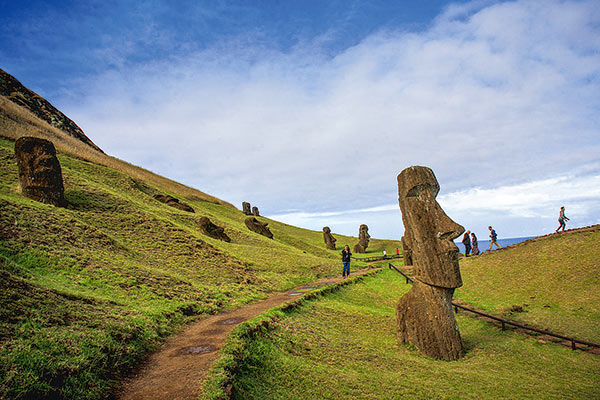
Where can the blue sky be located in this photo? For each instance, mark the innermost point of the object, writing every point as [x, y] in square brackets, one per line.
[309, 109]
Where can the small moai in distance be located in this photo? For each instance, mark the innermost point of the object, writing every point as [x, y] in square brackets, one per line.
[173, 202]
[40, 174]
[255, 211]
[406, 251]
[363, 239]
[329, 239]
[424, 316]
[212, 230]
[246, 208]
[259, 227]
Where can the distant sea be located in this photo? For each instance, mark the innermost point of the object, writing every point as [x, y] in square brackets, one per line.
[485, 244]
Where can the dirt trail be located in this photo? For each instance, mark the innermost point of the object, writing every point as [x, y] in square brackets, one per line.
[176, 370]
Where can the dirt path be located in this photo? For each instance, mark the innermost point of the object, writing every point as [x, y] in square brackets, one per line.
[176, 370]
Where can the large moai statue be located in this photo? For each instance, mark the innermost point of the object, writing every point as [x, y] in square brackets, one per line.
[424, 315]
[329, 239]
[259, 227]
[212, 230]
[363, 239]
[40, 174]
[255, 211]
[246, 208]
[406, 250]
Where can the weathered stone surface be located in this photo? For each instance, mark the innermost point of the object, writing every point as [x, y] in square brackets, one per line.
[329, 239]
[19, 94]
[246, 208]
[40, 174]
[212, 230]
[255, 211]
[425, 319]
[173, 202]
[363, 239]
[259, 227]
[424, 315]
[406, 251]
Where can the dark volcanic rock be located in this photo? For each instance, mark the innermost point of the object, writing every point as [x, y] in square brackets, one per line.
[246, 208]
[424, 315]
[19, 94]
[255, 211]
[363, 239]
[173, 202]
[259, 227]
[329, 239]
[212, 230]
[40, 174]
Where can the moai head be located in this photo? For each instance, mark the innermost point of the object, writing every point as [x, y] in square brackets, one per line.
[246, 208]
[259, 227]
[40, 174]
[255, 211]
[329, 239]
[212, 230]
[430, 231]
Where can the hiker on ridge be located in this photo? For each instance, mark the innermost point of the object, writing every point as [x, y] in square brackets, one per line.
[467, 242]
[562, 220]
[346, 261]
[475, 246]
[493, 238]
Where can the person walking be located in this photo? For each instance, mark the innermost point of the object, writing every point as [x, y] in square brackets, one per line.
[562, 220]
[467, 242]
[493, 238]
[397, 252]
[346, 261]
[384, 254]
[474, 245]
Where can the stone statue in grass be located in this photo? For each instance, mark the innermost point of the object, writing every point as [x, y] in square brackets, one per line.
[424, 316]
[329, 239]
[40, 174]
[246, 208]
[259, 227]
[255, 211]
[212, 230]
[363, 239]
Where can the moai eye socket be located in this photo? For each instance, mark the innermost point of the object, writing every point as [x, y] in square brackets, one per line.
[417, 190]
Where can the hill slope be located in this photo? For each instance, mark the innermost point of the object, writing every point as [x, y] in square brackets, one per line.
[89, 289]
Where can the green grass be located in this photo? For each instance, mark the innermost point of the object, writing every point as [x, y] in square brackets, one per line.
[89, 289]
[556, 280]
[344, 347]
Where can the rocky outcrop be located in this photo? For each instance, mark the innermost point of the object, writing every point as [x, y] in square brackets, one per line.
[259, 227]
[40, 174]
[19, 94]
[363, 239]
[255, 211]
[173, 202]
[212, 230]
[329, 239]
[246, 208]
[424, 316]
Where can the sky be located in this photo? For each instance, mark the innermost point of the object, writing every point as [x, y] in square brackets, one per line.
[310, 109]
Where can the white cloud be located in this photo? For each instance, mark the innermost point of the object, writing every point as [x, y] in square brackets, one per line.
[488, 97]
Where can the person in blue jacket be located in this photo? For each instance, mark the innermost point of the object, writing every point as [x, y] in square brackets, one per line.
[493, 238]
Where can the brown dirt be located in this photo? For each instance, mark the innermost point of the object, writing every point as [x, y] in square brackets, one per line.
[177, 369]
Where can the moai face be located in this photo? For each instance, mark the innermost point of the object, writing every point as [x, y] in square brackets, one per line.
[430, 230]
[40, 174]
[329, 239]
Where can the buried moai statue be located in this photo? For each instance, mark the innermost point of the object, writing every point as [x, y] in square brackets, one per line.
[424, 316]
[363, 239]
[246, 208]
[329, 239]
[255, 211]
[40, 174]
[406, 251]
[212, 230]
[259, 227]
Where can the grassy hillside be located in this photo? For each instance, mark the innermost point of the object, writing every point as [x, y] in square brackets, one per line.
[89, 289]
[344, 347]
[555, 279]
